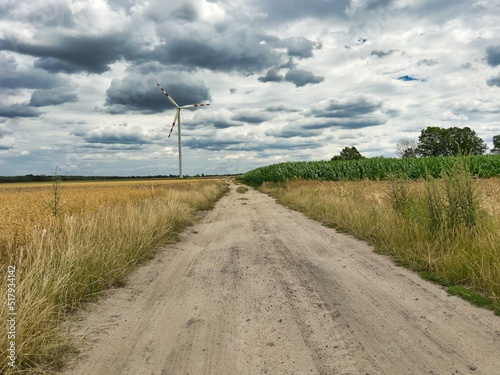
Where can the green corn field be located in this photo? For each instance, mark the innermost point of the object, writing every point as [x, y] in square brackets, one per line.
[380, 168]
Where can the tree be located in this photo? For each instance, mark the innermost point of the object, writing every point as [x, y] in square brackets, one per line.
[435, 141]
[406, 148]
[348, 153]
[496, 144]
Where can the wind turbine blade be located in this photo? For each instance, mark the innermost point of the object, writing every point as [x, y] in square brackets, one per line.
[168, 96]
[193, 105]
[176, 117]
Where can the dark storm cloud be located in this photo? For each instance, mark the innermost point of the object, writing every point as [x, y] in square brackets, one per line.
[294, 130]
[208, 143]
[382, 54]
[299, 47]
[250, 116]
[221, 53]
[121, 135]
[248, 144]
[41, 98]
[139, 93]
[493, 55]
[226, 47]
[494, 81]
[18, 110]
[213, 119]
[357, 122]
[71, 54]
[292, 145]
[12, 77]
[280, 108]
[345, 107]
[347, 113]
[109, 148]
[301, 77]
[51, 64]
[272, 75]
[229, 46]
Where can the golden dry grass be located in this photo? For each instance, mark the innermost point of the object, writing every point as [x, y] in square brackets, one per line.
[27, 207]
[100, 233]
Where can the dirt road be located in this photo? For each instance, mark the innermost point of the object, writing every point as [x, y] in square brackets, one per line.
[255, 288]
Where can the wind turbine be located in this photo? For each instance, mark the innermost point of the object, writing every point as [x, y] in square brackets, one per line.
[177, 118]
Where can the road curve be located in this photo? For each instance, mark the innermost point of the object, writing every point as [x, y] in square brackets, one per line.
[254, 288]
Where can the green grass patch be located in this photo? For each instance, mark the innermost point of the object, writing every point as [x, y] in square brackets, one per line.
[473, 297]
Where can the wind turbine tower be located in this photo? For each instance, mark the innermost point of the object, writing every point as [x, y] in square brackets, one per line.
[177, 118]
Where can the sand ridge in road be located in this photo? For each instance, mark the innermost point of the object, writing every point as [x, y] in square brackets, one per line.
[254, 288]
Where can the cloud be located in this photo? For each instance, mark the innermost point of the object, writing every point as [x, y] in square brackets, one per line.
[299, 46]
[117, 134]
[274, 11]
[293, 130]
[272, 75]
[210, 49]
[13, 76]
[428, 62]
[349, 113]
[186, 12]
[346, 107]
[356, 122]
[216, 144]
[476, 106]
[281, 108]
[382, 54]
[137, 91]
[493, 55]
[41, 98]
[248, 143]
[251, 116]
[221, 119]
[72, 54]
[494, 81]
[450, 116]
[6, 141]
[301, 77]
[18, 110]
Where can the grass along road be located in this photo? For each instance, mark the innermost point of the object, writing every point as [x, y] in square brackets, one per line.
[97, 235]
[255, 288]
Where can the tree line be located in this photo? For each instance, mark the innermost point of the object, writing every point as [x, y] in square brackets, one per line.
[435, 141]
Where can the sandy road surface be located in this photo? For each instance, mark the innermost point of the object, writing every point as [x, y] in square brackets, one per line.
[255, 288]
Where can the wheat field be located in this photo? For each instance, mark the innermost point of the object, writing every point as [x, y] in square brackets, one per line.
[70, 240]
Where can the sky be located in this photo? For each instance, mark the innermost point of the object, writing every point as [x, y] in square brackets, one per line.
[286, 81]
